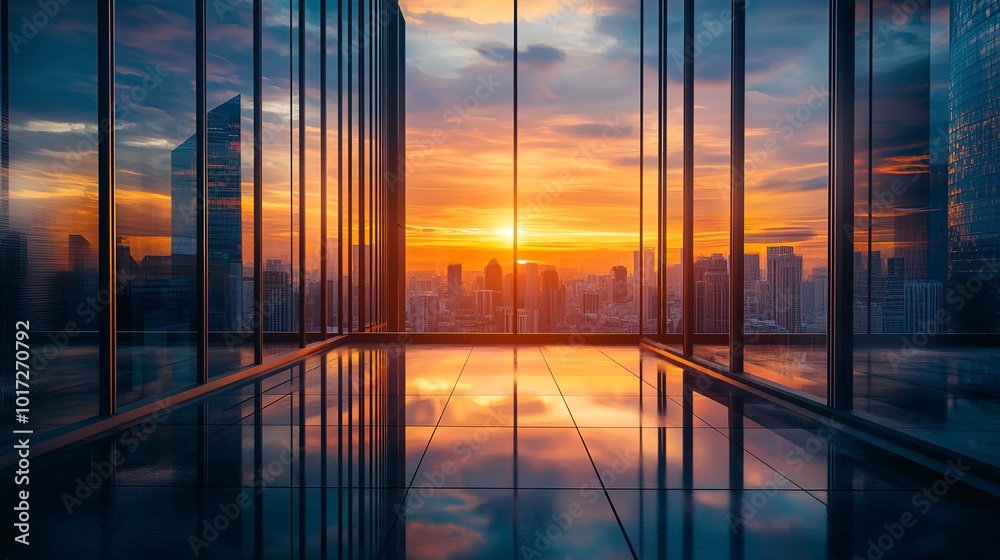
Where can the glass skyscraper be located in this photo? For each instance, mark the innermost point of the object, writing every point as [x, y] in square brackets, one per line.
[974, 168]
[224, 215]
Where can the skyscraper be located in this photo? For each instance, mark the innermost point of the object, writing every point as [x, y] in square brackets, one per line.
[711, 287]
[784, 276]
[277, 308]
[494, 276]
[529, 294]
[751, 285]
[921, 303]
[973, 172]
[619, 285]
[224, 209]
[553, 301]
[454, 301]
[424, 311]
[892, 301]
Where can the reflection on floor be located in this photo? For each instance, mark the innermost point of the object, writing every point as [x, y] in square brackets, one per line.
[494, 452]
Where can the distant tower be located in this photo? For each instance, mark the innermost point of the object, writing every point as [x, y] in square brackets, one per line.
[711, 286]
[619, 285]
[494, 276]
[552, 302]
[973, 172]
[454, 301]
[225, 217]
[921, 302]
[530, 296]
[784, 277]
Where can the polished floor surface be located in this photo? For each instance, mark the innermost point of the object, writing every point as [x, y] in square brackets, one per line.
[494, 452]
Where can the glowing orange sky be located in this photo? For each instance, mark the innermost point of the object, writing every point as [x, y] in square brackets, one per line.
[579, 153]
[579, 184]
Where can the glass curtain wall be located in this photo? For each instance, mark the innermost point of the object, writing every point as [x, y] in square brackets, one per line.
[460, 166]
[48, 213]
[924, 310]
[578, 105]
[157, 205]
[926, 307]
[195, 300]
[786, 194]
[230, 89]
[571, 134]
[710, 282]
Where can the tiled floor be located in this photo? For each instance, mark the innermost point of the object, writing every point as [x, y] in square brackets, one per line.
[494, 452]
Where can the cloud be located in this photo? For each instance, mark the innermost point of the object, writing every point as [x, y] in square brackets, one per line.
[781, 235]
[495, 52]
[537, 54]
[593, 130]
[541, 55]
[55, 127]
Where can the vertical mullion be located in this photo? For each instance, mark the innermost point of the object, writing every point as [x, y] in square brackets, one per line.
[642, 159]
[362, 107]
[370, 261]
[4, 121]
[737, 183]
[340, 167]
[513, 282]
[258, 187]
[662, 173]
[324, 303]
[871, 161]
[303, 286]
[106, 204]
[201, 168]
[840, 304]
[350, 168]
[688, 251]
[661, 219]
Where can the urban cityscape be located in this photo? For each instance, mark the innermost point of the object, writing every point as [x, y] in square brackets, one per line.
[780, 297]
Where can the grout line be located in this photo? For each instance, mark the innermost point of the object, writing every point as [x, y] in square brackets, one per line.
[593, 464]
[416, 470]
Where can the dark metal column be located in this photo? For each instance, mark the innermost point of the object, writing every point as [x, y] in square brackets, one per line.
[324, 297]
[840, 315]
[641, 273]
[201, 168]
[303, 286]
[4, 121]
[258, 189]
[737, 125]
[362, 107]
[340, 167]
[107, 271]
[661, 172]
[513, 282]
[688, 252]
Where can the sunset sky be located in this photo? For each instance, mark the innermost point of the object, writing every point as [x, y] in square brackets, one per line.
[578, 109]
[579, 152]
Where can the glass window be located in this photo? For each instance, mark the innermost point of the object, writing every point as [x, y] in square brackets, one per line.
[578, 167]
[230, 90]
[459, 168]
[48, 213]
[712, 83]
[786, 177]
[280, 204]
[156, 196]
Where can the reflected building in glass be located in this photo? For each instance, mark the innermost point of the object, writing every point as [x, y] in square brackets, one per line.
[974, 169]
[224, 215]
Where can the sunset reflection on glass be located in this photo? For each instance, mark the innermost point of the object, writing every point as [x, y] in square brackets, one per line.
[500, 452]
